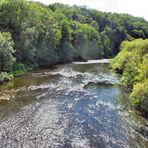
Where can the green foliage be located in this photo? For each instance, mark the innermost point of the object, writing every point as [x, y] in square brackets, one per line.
[120, 61]
[130, 59]
[4, 76]
[86, 41]
[6, 51]
[18, 69]
[139, 96]
[66, 47]
[143, 69]
[132, 62]
[116, 27]
[45, 37]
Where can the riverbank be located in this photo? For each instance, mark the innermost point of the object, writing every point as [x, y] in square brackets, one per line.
[20, 69]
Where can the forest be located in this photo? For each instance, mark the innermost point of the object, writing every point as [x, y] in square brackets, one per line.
[34, 35]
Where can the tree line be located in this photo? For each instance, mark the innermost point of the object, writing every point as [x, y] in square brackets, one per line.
[35, 35]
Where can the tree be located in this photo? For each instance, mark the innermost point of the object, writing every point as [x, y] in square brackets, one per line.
[66, 48]
[6, 51]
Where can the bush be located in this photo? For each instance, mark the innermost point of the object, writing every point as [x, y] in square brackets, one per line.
[4, 76]
[6, 51]
[139, 96]
[18, 69]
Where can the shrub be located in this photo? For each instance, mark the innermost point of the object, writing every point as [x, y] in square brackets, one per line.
[4, 76]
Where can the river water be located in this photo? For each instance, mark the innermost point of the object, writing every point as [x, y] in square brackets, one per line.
[70, 106]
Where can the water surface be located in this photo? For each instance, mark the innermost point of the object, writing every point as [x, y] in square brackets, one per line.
[70, 106]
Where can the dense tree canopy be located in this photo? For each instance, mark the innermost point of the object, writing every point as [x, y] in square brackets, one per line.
[113, 27]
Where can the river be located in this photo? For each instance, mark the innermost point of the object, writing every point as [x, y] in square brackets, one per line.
[75, 105]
